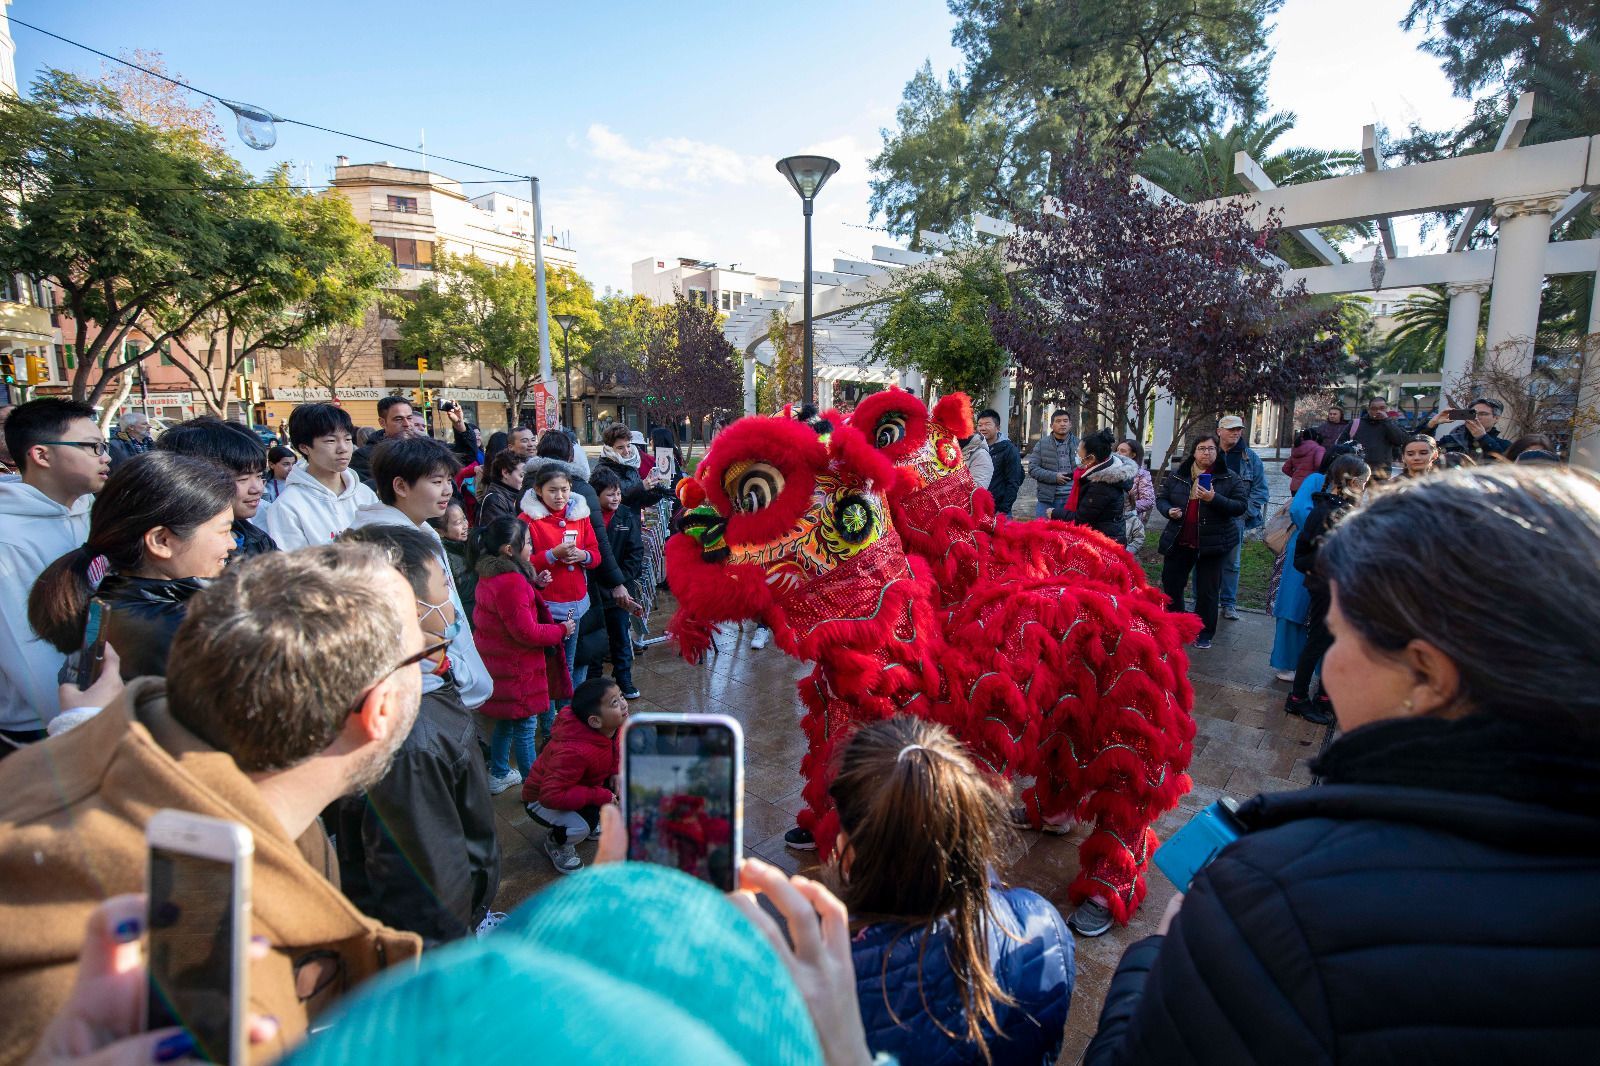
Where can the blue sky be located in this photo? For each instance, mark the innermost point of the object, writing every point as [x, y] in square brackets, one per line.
[654, 126]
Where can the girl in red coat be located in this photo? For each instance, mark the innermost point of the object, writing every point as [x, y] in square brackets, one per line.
[521, 645]
[563, 542]
[576, 773]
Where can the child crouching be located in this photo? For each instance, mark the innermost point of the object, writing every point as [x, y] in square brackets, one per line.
[576, 773]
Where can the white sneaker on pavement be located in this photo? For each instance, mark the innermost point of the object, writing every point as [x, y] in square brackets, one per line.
[490, 921]
[759, 641]
[510, 779]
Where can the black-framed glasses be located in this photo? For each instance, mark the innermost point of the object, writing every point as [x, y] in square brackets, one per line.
[98, 447]
[428, 652]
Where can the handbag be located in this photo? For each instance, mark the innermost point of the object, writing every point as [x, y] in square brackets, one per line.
[1278, 530]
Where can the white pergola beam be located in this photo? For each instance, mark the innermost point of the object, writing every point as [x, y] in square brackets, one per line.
[1372, 160]
[993, 227]
[856, 266]
[828, 277]
[1574, 203]
[1443, 185]
[792, 287]
[1254, 178]
[931, 239]
[900, 256]
[1511, 135]
[1447, 268]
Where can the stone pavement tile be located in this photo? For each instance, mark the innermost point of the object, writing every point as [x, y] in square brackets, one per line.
[1243, 735]
[1246, 781]
[771, 781]
[763, 821]
[1088, 993]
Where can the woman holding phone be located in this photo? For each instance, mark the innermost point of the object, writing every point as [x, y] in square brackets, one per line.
[1200, 499]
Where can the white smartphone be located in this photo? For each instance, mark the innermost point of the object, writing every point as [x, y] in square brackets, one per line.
[683, 793]
[664, 459]
[199, 931]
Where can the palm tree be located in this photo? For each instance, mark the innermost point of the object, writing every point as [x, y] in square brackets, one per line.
[1416, 344]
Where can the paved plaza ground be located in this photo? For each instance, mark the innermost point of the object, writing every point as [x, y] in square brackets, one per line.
[1245, 744]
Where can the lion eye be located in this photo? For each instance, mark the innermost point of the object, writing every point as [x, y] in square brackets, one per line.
[891, 430]
[756, 487]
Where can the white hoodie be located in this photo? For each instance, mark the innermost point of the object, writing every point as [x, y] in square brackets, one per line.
[37, 532]
[472, 677]
[307, 513]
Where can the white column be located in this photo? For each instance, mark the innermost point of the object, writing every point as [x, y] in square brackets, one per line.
[1000, 398]
[1586, 448]
[1524, 230]
[1166, 415]
[911, 381]
[1461, 334]
[749, 384]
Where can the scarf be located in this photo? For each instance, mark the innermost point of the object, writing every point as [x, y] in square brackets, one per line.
[608, 452]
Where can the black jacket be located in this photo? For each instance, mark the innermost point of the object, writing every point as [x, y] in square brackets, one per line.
[1380, 441]
[465, 577]
[497, 501]
[464, 443]
[418, 850]
[634, 494]
[1218, 530]
[1459, 440]
[144, 617]
[1433, 902]
[627, 543]
[1102, 492]
[1326, 509]
[1008, 474]
[250, 540]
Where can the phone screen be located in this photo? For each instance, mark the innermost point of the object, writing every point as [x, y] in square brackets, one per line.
[684, 798]
[191, 942]
[663, 458]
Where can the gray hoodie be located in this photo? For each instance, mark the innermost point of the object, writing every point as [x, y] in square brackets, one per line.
[38, 531]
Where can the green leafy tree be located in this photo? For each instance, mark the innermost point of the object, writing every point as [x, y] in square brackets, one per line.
[620, 340]
[994, 137]
[319, 268]
[693, 371]
[136, 226]
[477, 312]
[937, 321]
[783, 382]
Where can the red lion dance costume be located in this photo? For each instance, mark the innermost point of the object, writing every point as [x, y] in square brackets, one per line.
[1038, 644]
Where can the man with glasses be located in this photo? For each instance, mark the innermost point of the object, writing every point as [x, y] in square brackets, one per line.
[418, 849]
[62, 461]
[1478, 436]
[257, 722]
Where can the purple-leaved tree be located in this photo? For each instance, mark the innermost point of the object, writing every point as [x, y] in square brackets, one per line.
[691, 371]
[1119, 291]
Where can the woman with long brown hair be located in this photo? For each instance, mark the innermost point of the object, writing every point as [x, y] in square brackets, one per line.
[951, 967]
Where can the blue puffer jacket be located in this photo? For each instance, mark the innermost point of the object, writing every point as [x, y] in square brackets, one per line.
[1035, 970]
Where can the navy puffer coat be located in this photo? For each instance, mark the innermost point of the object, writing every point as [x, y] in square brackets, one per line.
[1033, 965]
[1435, 901]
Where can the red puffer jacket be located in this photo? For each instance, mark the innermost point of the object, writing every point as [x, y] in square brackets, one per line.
[574, 768]
[546, 531]
[519, 641]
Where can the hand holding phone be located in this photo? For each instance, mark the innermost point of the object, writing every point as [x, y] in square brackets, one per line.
[683, 793]
[1187, 851]
[199, 930]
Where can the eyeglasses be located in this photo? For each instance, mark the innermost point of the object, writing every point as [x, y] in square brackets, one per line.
[428, 652]
[98, 447]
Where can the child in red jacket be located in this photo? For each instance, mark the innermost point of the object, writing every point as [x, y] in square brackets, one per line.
[521, 645]
[576, 773]
[564, 543]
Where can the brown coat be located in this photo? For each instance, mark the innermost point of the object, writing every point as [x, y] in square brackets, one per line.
[72, 815]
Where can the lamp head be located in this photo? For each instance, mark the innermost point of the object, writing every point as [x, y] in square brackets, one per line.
[566, 322]
[808, 173]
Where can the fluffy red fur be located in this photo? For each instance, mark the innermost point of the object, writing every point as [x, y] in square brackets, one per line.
[954, 413]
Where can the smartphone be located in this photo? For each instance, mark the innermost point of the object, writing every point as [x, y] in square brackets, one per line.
[83, 667]
[199, 931]
[1205, 481]
[663, 467]
[1187, 851]
[683, 793]
[569, 538]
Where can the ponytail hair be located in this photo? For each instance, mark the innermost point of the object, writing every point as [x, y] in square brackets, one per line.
[153, 490]
[488, 539]
[925, 827]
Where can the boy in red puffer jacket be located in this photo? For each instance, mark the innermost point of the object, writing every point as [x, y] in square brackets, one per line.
[576, 773]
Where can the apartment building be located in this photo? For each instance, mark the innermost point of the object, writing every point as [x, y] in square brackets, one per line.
[661, 278]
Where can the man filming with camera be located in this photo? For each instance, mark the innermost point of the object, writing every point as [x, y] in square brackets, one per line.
[1478, 435]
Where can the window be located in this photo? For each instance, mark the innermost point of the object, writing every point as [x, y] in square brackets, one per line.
[727, 300]
[166, 354]
[409, 254]
[393, 360]
[66, 357]
[404, 204]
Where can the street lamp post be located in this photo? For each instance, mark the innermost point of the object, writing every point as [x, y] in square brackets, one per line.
[566, 322]
[808, 174]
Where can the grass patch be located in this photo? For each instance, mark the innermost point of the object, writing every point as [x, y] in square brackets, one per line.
[1255, 569]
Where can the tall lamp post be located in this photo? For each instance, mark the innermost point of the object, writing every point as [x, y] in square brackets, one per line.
[808, 174]
[566, 322]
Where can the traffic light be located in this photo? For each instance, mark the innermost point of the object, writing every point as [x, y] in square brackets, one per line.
[422, 365]
[38, 369]
[8, 369]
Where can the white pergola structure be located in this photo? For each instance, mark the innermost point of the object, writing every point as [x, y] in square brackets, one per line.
[1527, 191]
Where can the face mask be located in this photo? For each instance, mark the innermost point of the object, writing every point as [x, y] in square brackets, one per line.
[451, 630]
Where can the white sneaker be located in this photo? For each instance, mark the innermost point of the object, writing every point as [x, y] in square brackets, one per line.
[1284, 675]
[489, 923]
[498, 785]
[759, 641]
